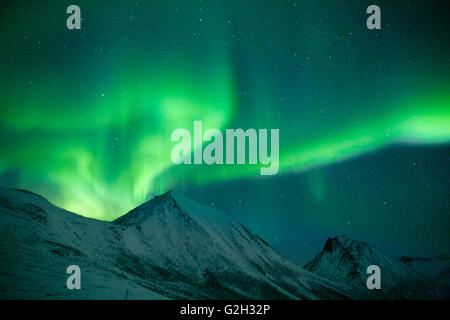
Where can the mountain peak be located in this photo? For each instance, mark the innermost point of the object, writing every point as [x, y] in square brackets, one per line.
[171, 197]
[340, 242]
[167, 200]
[173, 204]
[342, 256]
[171, 194]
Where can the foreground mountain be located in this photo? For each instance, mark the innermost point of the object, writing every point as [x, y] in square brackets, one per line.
[345, 260]
[167, 248]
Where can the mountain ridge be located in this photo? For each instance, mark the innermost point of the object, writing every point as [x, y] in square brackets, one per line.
[168, 253]
[171, 247]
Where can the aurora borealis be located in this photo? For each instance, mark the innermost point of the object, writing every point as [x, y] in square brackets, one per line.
[86, 115]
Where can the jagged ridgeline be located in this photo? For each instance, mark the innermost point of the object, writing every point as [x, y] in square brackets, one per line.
[173, 248]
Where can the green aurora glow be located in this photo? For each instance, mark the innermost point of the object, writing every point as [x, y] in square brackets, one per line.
[86, 116]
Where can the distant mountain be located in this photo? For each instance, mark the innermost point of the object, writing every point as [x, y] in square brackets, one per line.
[345, 260]
[167, 248]
[431, 267]
[437, 269]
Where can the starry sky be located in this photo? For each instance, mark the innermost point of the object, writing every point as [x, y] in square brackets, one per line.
[364, 115]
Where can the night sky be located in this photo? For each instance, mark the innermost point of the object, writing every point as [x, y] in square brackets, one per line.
[364, 115]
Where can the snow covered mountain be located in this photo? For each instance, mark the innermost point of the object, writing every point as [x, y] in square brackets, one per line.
[167, 248]
[345, 260]
[173, 248]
